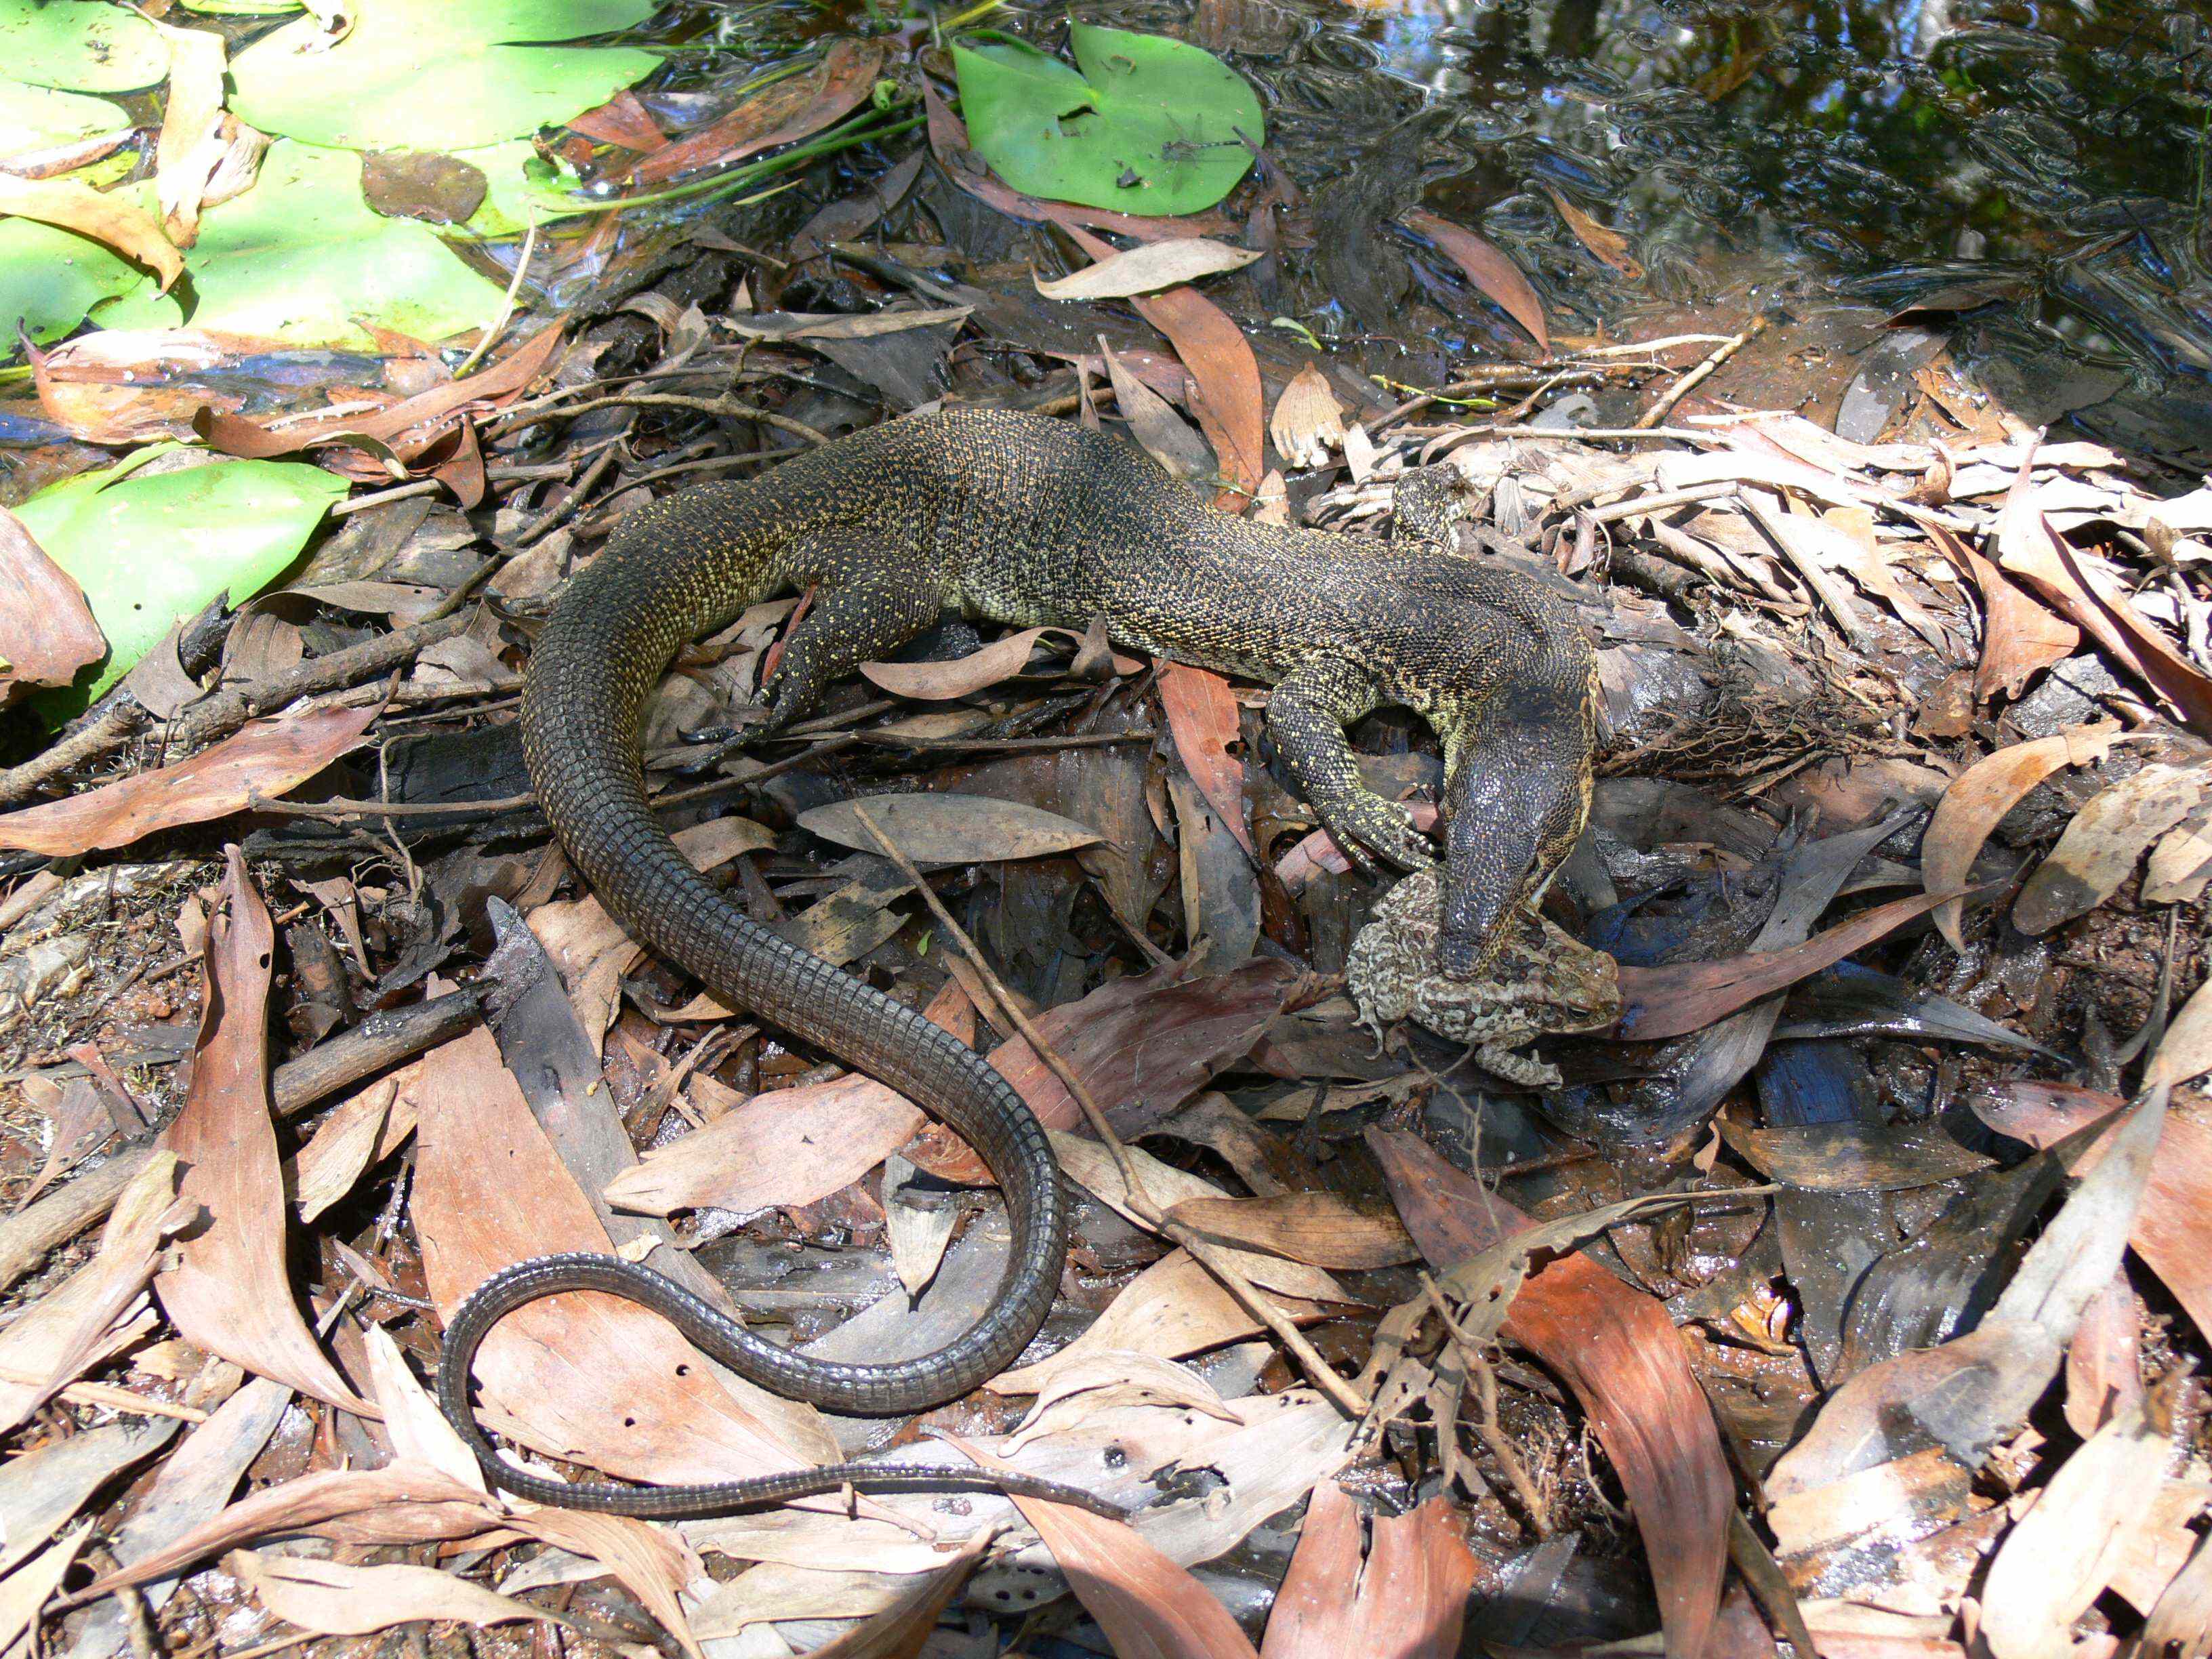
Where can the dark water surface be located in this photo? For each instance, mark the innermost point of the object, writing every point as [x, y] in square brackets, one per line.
[1809, 153]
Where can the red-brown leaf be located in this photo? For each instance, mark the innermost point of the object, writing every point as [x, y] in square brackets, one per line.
[230, 1293]
[1411, 1598]
[1203, 718]
[2019, 638]
[585, 1377]
[1497, 277]
[779, 114]
[1616, 1349]
[263, 760]
[1226, 396]
[46, 630]
[621, 120]
[1681, 998]
[1149, 1607]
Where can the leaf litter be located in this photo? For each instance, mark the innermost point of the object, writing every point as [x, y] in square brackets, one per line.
[1899, 838]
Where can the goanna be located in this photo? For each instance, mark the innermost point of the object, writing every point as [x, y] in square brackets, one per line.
[1023, 520]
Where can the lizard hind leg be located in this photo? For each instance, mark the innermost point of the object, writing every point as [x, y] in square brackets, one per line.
[856, 618]
[1307, 713]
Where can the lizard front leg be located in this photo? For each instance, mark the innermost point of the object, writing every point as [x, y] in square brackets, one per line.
[862, 619]
[1306, 714]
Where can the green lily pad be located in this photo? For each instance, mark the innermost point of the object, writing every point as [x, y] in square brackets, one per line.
[523, 186]
[149, 549]
[51, 279]
[33, 119]
[1150, 126]
[301, 257]
[81, 46]
[437, 75]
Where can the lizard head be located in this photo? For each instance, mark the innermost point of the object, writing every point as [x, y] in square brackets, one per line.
[1516, 797]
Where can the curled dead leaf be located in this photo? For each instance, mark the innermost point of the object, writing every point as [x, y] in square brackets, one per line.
[1608, 244]
[265, 759]
[110, 219]
[46, 630]
[2101, 845]
[1309, 421]
[1147, 268]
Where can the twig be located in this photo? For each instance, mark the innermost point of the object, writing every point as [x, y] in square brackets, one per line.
[109, 732]
[1674, 394]
[1348, 1398]
[1486, 1398]
[506, 306]
[728, 409]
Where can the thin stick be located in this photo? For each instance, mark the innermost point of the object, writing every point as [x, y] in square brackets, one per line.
[1486, 1424]
[1674, 394]
[1348, 1398]
[506, 306]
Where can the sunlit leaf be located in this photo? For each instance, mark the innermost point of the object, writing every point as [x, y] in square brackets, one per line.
[51, 279]
[80, 45]
[1149, 126]
[39, 117]
[429, 75]
[302, 257]
[147, 550]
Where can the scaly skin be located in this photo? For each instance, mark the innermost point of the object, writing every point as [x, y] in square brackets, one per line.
[1022, 520]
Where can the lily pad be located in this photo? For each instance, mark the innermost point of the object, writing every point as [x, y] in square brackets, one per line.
[51, 279]
[81, 46]
[429, 75]
[302, 257]
[148, 549]
[33, 119]
[1150, 125]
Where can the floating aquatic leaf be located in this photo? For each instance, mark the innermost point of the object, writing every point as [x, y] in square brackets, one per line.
[34, 117]
[147, 550]
[426, 74]
[51, 279]
[110, 218]
[79, 46]
[1149, 126]
[301, 257]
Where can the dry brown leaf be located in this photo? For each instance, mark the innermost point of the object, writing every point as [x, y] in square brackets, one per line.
[1146, 269]
[1616, 1348]
[901, 1629]
[587, 1378]
[1327, 1230]
[1173, 1308]
[1142, 1045]
[778, 113]
[788, 1146]
[2030, 548]
[262, 760]
[2059, 1560]
[949, 829]
[333, 1598]
[1159, 431]
[1981, 795]
[1411, 1599]
[193, 142]
[652, 1562]
[621, 120]
[1226, 396]
[1309, 421]
[2103, 842]
[25, 1591]
[1494, 276]
[1093, 1166]
[2172, 1231]
[935, 681]
[230, 1292]
[100, 1308]
[2185, 1052]
[417, 1429]
[1679, 998]
[2019, 638]
[1115, 1376]
[2181, 1624]
[1203, 718]
[1149, 1607]
[408, 430]
[46, 630]
[399, 1503]
[110, 220]
[2181, 865]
